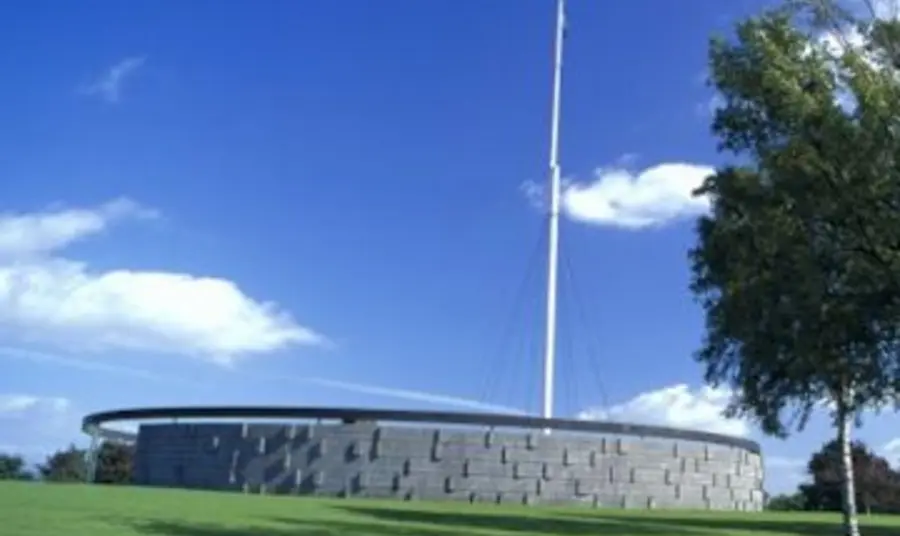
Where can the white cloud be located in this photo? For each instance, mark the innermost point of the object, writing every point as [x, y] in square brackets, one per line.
[883, 9]
[23, 234]
[891, 450]
[780, 462]
[415, 396]
[837, 42]
[624, 199]
[44, 296]
[109, 86]
[678, 406]
[708, 107]
[19, 405]
[31, 423]
[783, 474]
[34, 426]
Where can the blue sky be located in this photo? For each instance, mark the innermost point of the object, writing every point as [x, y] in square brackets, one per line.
[334, 203]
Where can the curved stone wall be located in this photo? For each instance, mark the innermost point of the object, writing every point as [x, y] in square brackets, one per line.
[370, 460]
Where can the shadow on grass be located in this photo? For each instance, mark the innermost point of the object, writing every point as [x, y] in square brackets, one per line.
[620, 523]
[407, 521]
[365, 521]
[757, 523]
[535, 522]
[292, 527]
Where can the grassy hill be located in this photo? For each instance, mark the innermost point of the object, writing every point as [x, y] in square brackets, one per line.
[34, 509]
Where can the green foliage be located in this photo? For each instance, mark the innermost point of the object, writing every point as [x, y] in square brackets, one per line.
[794, 502]
[13, 467]
[75, 510]
[67, 465]
[114, 464]
[877, 484]
[798, 264]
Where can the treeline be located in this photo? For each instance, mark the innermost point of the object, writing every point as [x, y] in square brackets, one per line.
[877, 483]
[114, 463]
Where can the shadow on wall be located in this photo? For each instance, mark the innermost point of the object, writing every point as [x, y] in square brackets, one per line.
[393, 521]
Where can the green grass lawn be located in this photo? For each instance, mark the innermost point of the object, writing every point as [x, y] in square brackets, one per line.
[28, 509]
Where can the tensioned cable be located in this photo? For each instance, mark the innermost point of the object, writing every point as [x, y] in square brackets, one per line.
[591, 342]
[568, 353]
[497, 360]
[514, 389]
[530, 362]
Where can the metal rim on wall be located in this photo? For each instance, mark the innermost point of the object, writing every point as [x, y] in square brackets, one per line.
[93, 424]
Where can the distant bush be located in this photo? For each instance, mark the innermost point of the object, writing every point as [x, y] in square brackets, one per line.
[114, 464]
[13, 467]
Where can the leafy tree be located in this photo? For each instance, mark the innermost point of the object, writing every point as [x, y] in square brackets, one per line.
[67, 465]
[787, 503]
[114, 463]
[877, 484]
[13, 467]
[797, 265]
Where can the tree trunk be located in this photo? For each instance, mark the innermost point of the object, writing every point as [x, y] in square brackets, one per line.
[848, 491]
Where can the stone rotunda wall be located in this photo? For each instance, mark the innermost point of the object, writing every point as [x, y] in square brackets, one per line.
[366, 459]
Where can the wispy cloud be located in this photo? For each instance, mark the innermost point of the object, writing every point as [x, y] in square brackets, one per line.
[21, 354]
[707, 108]
[416, 396]
[109, 86]
[90, 365]
[403, 394]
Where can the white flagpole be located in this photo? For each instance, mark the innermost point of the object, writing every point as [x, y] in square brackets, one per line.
[553, 252]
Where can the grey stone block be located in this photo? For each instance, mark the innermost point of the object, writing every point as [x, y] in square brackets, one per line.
[366, 460]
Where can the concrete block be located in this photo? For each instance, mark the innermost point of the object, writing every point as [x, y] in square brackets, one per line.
[353, 451]
[365, 460]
